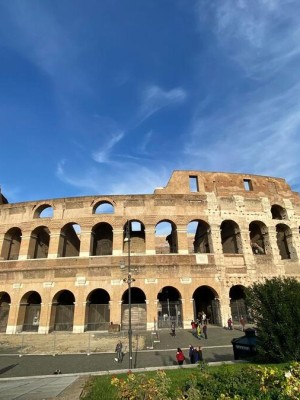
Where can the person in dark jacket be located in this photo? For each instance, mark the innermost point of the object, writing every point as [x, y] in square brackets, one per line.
[191, 354]
[173, 333]
[119, 351]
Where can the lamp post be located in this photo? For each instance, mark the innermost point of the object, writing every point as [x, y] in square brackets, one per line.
[129, 281]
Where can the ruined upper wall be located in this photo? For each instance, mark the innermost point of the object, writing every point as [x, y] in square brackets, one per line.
[224, 184]
[174, 198]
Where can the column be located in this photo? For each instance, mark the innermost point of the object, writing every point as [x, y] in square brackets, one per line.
[118, 242]
[85, 243]
[79, 316]
[53, 245]
[183, 247]
[26, 245]
[150, 239]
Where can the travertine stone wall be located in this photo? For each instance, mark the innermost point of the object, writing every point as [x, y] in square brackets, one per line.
[234, 256]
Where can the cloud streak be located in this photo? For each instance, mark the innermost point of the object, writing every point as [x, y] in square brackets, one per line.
[262, 36]
[155, 98]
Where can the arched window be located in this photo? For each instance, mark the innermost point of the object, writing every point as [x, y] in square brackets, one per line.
[11, 244]
[278, 212]
[69, 241]
[231, 238]
[43, 211]
[259, 237]
[166, 238]
[136, 235]
[284, 241]
[103, 207]
[39, 243]
[102, 239]
[199, 237]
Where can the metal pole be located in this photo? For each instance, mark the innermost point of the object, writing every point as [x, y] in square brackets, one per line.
[129, 298]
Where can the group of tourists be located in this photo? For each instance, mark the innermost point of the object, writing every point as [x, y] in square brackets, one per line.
[195, 355]
[199, 328]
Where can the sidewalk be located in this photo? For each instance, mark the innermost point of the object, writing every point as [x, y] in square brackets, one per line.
[15, 371]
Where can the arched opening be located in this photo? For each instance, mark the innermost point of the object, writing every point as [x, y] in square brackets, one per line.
[39, 243]
[97, 315]
[284, 241]
[137, 237]
[199, 237]
[4, 310]
[43, 211]
[259, 237]
[11, 244]
[278, 212]
[206, 301]
[69, 242]
[237, 304]
[102, 239]
[166, 241]
[138, 310]
[29, 312]
[103, 207]
[169, 308]
[231, 238]
[63, 311]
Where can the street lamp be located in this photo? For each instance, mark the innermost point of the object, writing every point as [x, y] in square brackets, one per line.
[129, 281]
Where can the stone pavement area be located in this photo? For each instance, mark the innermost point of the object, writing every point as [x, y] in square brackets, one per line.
[149, 350]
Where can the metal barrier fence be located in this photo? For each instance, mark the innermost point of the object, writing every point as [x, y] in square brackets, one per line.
[58, 342]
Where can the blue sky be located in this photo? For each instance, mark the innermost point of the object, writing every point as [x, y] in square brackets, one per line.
[111, 96]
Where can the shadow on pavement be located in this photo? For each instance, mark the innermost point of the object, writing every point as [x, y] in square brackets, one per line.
[2, 370]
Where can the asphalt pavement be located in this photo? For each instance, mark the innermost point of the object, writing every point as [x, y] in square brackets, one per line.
[30, 377]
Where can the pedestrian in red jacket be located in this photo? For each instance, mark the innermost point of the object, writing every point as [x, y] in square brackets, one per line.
[180, 356]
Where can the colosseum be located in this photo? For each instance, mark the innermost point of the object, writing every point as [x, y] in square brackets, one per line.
[190, 247]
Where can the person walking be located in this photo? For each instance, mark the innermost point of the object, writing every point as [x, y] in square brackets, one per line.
[119, 351]
[173, 333]
[230, 324]
[243, 323]
[199, 354]
[180, 356]
[191, 354]
[199, 331]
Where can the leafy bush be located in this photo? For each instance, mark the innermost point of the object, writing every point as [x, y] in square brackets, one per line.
[275, 307]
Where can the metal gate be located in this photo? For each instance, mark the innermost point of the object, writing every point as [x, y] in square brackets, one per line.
[215, 317]
[64, 315]
[98, 317]
[238, 309]
[4, 311]
[168, 312]
[31, 318]
[138, 316]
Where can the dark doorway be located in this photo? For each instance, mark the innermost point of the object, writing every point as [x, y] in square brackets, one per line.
[169, 308]
[97, 310]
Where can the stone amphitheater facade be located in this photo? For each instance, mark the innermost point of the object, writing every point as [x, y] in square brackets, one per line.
[194, 246]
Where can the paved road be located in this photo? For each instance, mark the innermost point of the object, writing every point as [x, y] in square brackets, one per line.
[217, 348]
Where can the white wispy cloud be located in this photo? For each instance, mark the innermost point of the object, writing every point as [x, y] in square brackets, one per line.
[261, 35]
[103, 155]
[260, 136]
[130, 178]
[155, 98]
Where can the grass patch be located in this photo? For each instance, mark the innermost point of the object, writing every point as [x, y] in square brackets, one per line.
[211, 380]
